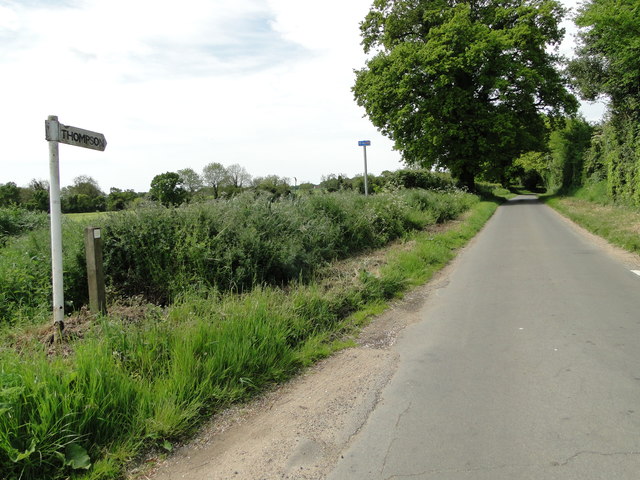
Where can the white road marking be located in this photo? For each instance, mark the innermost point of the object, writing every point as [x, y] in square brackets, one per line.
[637, 272]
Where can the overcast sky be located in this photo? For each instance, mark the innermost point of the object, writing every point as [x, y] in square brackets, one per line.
[177, 84]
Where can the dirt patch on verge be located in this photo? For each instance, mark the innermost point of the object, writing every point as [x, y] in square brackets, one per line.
[76, 327]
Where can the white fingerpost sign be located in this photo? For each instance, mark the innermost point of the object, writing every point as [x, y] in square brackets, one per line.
[58, 133]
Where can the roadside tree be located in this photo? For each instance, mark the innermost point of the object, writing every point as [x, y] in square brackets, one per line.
[607, 66]
[462, 85]
[607, 62]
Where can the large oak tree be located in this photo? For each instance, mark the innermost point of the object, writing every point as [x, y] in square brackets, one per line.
[463, 85]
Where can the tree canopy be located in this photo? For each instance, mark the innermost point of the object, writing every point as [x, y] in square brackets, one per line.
[608, 54]
[238, 175]
[84, 195]
[190, 179]
[84, 185]
[463, 85]
[215, 175]
[167, 189]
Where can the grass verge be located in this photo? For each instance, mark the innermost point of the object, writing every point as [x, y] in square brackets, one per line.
[619, 225]
[131, 384]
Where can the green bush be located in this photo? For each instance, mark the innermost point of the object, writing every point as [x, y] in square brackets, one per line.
[621, 156]
[614, 158]
[25, 272]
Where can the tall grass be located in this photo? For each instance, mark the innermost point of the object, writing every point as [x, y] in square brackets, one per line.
[595, 192]
[139, 383]
[131, 384]
[25, 272]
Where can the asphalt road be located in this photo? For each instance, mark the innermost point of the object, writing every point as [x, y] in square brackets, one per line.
[525, 366]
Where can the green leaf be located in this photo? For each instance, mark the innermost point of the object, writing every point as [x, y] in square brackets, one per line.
[17, 456]
[76, 457]
[167, 446]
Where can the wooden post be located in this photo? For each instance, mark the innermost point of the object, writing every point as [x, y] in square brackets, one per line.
[95, 276]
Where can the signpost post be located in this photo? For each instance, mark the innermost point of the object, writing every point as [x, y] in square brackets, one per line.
[57, 133]
[364, 144]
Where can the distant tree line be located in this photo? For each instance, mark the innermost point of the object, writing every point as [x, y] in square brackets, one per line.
[218, 181]
[215, 181]
[85, 195]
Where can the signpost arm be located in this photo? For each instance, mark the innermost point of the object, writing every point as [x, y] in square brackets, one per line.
[53, 133]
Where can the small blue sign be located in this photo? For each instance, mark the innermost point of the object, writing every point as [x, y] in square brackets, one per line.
[364, 143]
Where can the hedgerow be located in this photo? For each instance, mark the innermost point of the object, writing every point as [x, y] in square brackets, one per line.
[228, 245]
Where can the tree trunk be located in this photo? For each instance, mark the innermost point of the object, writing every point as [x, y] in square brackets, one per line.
[467, 179]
